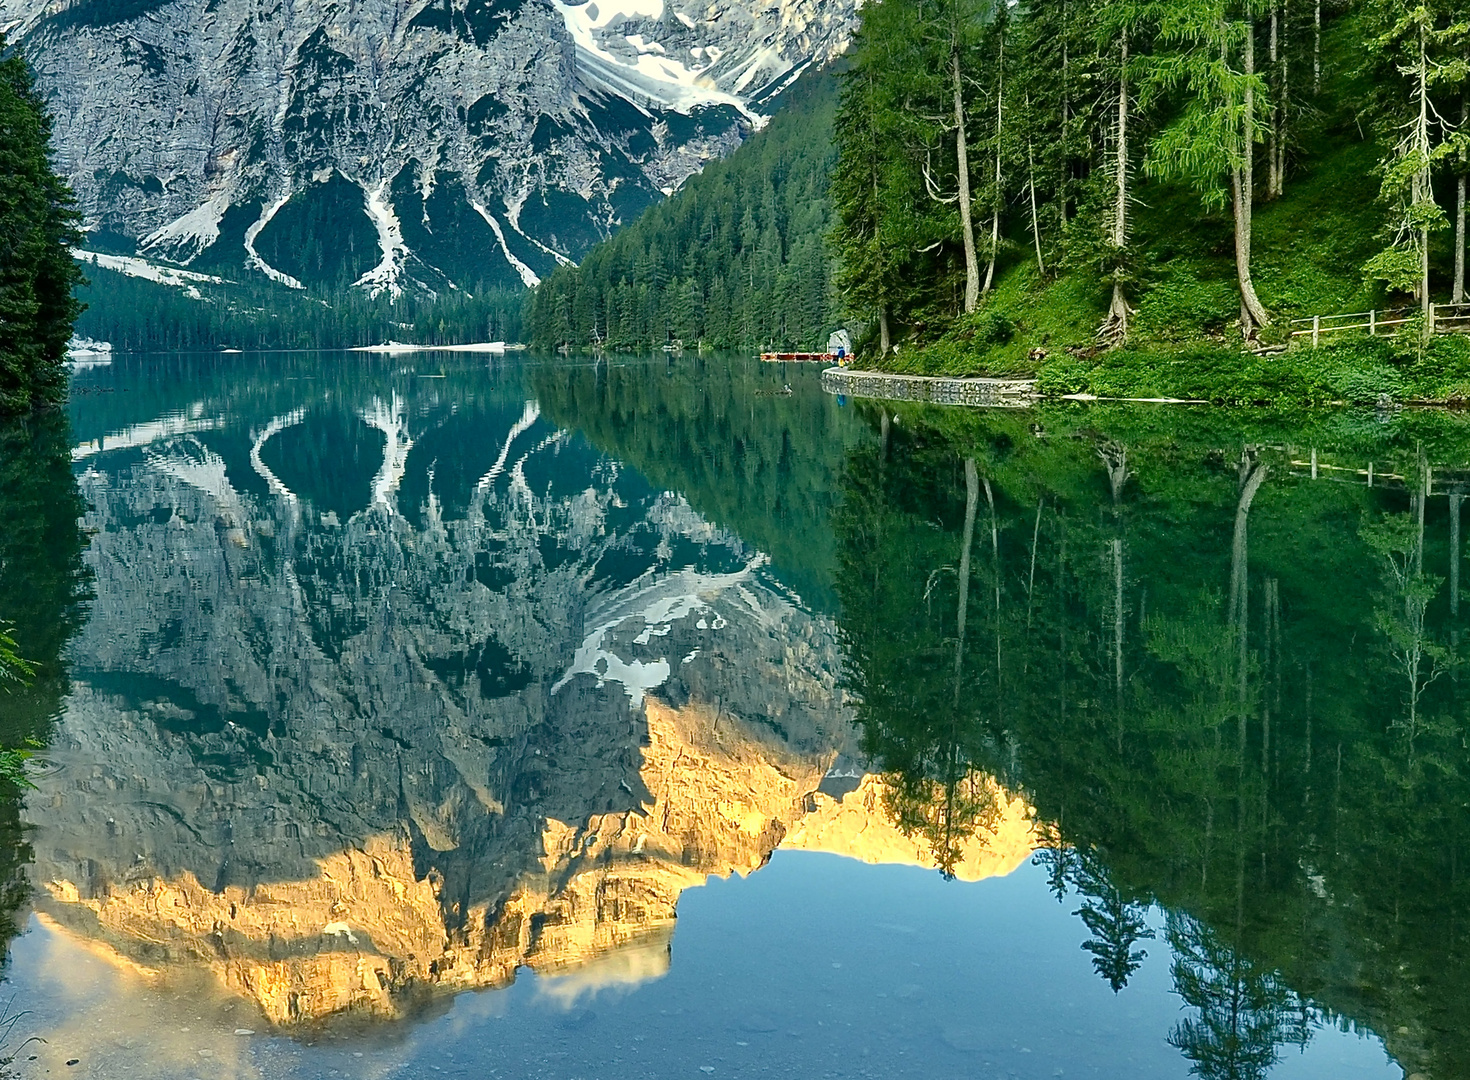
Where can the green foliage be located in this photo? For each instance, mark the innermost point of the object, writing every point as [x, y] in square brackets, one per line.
[737, 259]
[1420, 46]
[1223, 105]
[13, 667]
[38, 228]
[1364, 372]
[43, 585]
[1216, 94]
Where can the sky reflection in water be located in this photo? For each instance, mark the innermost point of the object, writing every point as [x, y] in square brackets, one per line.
[390, 689]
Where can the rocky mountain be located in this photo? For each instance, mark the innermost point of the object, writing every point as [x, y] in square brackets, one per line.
[399, 144]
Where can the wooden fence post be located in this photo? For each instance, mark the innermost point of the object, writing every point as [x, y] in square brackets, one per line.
[1314, 463]
[1432, 309]
[1373, 324]
[1316, 330]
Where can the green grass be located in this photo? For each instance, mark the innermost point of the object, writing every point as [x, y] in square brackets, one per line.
[1360, 371]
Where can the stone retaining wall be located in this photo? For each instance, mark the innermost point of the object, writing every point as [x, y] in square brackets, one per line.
[1011, 393]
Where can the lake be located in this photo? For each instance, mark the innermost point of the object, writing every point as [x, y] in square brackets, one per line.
[427, 715]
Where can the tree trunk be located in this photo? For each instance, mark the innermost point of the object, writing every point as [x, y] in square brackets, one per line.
[1063, 184]
[1252, 475]
[1031, 579]
[1035, 227]
[997, 197]
[962, 153]
[972, 502]
[1242, 185]
[1317, 49]
[995, 572]
[1115, 327]
[1459, 290]
[1423, 182]
[1115, 548]
[1275, 108]
[1283, 100]
[1455, 503]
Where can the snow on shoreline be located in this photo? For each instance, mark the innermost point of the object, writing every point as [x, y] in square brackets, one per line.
[394, 347]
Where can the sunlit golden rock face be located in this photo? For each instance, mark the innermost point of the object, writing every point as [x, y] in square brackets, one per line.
[859, 827]
[369, 935]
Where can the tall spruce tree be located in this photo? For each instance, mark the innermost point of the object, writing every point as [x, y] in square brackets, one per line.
[1419, 40]
[38, 228]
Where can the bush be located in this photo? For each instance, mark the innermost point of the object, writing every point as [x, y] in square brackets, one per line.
[992, 328]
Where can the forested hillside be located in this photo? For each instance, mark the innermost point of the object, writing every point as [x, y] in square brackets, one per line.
[1148, 171]
[1074, 189]
[737, 258]
[37, 227]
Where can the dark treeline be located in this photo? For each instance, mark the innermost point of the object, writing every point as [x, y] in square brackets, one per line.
[973, 134]
[38, 227]
[736, 259]
[1228, 687]
[137, 314]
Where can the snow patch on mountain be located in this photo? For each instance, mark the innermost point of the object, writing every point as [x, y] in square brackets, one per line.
[384, 276]
[528, 275]
[254, 231]
[182, 239]
[186, 128]
[133, 266]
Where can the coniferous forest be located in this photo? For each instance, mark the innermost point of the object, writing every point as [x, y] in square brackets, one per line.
[1075, 189]
[38, 227]
[738, 258]
[137, 315]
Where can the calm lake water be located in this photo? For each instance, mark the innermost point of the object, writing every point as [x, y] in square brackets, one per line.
[443, 716]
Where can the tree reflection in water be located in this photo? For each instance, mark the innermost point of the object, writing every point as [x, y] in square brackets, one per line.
[42, 593]
[1215, 668]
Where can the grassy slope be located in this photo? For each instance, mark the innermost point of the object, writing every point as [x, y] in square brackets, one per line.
[1308, 250]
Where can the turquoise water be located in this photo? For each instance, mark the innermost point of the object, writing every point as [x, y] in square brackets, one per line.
[639, 718]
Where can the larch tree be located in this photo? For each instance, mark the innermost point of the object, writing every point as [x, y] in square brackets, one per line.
[859, 190]
[1210, 58]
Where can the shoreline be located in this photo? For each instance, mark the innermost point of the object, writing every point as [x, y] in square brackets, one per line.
[938, 389]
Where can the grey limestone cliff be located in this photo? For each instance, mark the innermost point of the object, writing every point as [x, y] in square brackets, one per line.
[399, 144]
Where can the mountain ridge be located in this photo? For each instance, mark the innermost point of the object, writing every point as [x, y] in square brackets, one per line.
[425, 146]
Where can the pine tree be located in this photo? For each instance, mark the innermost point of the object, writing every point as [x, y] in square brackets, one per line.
[38, 229]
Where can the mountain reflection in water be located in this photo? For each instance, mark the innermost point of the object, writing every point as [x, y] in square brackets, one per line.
[393, 687]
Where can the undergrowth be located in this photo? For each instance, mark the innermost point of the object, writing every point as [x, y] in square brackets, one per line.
[1309, 247]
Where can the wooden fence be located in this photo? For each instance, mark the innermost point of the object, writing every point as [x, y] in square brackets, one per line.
[1443, 319]
[1437, 479]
